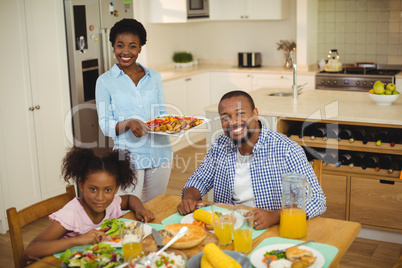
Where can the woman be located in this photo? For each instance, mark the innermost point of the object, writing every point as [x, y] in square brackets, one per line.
[128, 95]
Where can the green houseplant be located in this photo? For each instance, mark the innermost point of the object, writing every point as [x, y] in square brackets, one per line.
[182, 57]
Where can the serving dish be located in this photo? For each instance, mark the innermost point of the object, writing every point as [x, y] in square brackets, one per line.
[180, 132]
[194, 262]
[147, 231]
[383, 100]
[257, 256]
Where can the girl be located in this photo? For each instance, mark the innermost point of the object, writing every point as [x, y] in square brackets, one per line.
[99, 180]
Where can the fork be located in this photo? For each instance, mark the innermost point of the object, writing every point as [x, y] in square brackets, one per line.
[284, 250]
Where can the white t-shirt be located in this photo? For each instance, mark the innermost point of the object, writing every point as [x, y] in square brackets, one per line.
[243, 191]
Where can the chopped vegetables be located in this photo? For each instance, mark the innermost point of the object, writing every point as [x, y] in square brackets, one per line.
[173, 123]
[274, 256]
[98, 255]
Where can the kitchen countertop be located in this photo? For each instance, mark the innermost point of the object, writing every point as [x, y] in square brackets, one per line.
[325, 105]
[171, 73]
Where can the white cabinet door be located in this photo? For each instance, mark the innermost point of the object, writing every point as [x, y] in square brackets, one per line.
[282, 81]
[198, 94]
[176, 96]
[35, 101]
[249, 9]
[222, 83]
[167, 11]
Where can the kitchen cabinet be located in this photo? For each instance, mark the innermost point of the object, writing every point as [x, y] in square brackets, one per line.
[34, 103]
[282, 81]
[223, 82]
[370, 196]
[167, 11]
[249, 9]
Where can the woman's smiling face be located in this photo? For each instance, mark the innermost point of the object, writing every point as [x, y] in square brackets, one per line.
[127, 47]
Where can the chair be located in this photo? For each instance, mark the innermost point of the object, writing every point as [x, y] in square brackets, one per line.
[17, 220]
[317, 167]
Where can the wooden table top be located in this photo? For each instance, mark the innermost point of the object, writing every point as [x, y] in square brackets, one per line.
[338, 233]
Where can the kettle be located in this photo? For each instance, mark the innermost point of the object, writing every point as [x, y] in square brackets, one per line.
[293, 222]
[333, 64]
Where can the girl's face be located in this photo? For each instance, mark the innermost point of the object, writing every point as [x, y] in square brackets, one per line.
[126, 49]
[98, 192]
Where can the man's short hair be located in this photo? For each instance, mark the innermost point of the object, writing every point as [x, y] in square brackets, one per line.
[237, 93]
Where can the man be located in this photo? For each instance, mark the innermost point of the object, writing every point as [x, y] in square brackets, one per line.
[244, 165]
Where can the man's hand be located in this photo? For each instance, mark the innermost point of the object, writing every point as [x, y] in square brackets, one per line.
[187, 206]
[266, 218]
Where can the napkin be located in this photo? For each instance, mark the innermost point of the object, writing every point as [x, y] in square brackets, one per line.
[176, 218]
[329, 252]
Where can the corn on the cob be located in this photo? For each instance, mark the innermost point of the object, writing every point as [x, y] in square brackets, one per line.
[218, 258]
[203, 216]
[205, 262]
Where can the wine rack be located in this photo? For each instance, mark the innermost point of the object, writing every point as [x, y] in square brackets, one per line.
[370, 196]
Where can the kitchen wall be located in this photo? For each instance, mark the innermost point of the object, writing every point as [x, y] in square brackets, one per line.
[361, 30]
[220, 42]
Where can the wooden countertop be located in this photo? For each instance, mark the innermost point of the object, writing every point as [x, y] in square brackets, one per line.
[325, 105]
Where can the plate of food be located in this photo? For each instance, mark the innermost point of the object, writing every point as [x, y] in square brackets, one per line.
[189, 219]
[174, 125]
[98, 255]
[310, 257]
[111, 227]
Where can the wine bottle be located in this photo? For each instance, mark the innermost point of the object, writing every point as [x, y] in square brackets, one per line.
[357, 160]
[381, 137]
[295, 129]
[346, 134]
[369, 136]
[309, 155]
[395, 138]
[344, 159]
[331, 157]
[319, 132]
[370, 161]
[306, 130]
[396, 164]
[359, 134]
[385, 162]
[333, 131]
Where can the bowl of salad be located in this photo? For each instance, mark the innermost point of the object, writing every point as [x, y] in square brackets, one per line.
[98, 255]
[170, 258]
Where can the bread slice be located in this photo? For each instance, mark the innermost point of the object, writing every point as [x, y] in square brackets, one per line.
[196, 234]
[295, 253]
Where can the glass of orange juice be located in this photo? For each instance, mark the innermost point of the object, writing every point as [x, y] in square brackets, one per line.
[222, 216]
[243, 234]
[131, 240]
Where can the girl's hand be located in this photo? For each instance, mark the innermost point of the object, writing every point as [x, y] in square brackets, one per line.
[144, 215]
[137, 127]
[92, 237]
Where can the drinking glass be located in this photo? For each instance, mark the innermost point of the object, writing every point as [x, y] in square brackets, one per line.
[243, 235]
[131, 238]
[222, 217]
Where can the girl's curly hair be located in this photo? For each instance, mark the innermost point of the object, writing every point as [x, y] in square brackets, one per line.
[128, 26]
[80, 162]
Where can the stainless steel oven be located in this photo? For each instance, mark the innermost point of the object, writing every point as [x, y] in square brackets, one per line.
[357, 77]
[197, 9]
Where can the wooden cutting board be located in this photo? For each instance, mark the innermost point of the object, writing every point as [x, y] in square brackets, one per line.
[149, 244]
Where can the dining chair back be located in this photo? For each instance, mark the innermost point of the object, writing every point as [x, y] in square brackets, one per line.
[18, 219]
[317, 167]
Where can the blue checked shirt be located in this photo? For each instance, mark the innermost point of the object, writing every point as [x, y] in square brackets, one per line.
[118, 99]
[274, 155]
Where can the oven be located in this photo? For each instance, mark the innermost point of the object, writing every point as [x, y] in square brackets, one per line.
[360, 76]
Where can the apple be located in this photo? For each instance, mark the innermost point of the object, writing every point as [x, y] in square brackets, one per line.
[388, 92]
[378, 87]
[390, 86]
[395, 92]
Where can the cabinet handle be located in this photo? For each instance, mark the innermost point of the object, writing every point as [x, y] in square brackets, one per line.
[241, 17]
[281, 76]
[37, 107]
[187, 79]
[246, 17]
[31, 108]
[387, 182]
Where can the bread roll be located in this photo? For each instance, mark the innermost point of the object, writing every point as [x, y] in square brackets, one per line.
[196, 234]
[295, 253]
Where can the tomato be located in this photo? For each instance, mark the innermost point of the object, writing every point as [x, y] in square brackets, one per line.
[95, 248]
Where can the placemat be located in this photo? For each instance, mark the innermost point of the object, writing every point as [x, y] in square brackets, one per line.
[156, 226]
[329, 252]
[176, 218]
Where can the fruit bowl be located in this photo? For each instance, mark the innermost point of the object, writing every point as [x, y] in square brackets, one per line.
[383, 99]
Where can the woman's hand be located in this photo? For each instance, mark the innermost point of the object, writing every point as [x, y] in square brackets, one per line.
[144, 215]
[266, 218]
[137, 127]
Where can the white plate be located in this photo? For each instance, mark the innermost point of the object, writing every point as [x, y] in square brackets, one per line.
[182, 132]
[188, 219]
[257, 257]
[147, 231]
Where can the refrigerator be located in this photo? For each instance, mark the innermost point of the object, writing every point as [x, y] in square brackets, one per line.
[88, 24]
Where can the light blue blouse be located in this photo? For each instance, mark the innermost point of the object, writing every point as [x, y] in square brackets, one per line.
[118, 99]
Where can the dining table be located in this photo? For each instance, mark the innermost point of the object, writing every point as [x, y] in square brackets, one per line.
[334, 232]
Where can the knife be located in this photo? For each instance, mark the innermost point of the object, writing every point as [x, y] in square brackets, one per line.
[158, 238]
